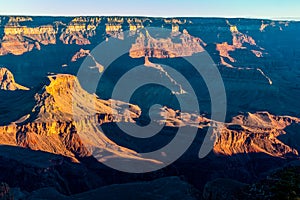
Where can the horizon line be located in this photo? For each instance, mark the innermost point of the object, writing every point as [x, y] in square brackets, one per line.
[155, 16]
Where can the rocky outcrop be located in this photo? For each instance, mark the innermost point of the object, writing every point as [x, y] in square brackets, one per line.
[175, 24]
[250, 133]
[7, 81]
[135, 24]
[246, 134]
[79, 30]
[64, 100]
[80, 54]
[255, 133]
[65, 118]
[113, 27]
[258, 54]
[65, 121]
[278, 25]
[239, 41]
[265, 120]
[224, 49]
[19, 39]
[176, 88]
[146, 45]
[17, 19]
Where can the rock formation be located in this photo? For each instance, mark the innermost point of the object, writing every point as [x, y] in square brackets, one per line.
[279, 25]
[146, 45]
[250, 133]
[255, 133]
[64, 121]
[79, 30]
[239, 41]
[7, 81]
[80, 54]
[69, 116]
[135, 24]
[19, 39]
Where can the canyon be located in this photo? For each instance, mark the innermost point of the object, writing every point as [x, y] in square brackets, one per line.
[57, 133]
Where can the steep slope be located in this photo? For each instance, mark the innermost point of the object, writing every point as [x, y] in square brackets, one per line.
[256, 133]
[82, 53]
[79, 30]
[180, 45]
[250, 133]
[7, 81]
[19, 39]
[239, 41]
[65, 121]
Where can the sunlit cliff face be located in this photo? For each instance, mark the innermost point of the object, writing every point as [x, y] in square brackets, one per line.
[19, 39]
[146, 45]
[79, 30]
[239, 40]
[64, 111]
[7, 81]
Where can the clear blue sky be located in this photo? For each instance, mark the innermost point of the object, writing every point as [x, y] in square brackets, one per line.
[165, 8]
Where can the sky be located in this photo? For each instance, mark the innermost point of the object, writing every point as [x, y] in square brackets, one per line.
[271, 9]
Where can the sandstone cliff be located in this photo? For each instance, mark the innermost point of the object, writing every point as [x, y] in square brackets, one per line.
[239, 41]
[79, 30]
[19, 39]
[7, 81]
[146, 45]
[65, 121]
[255, 133]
